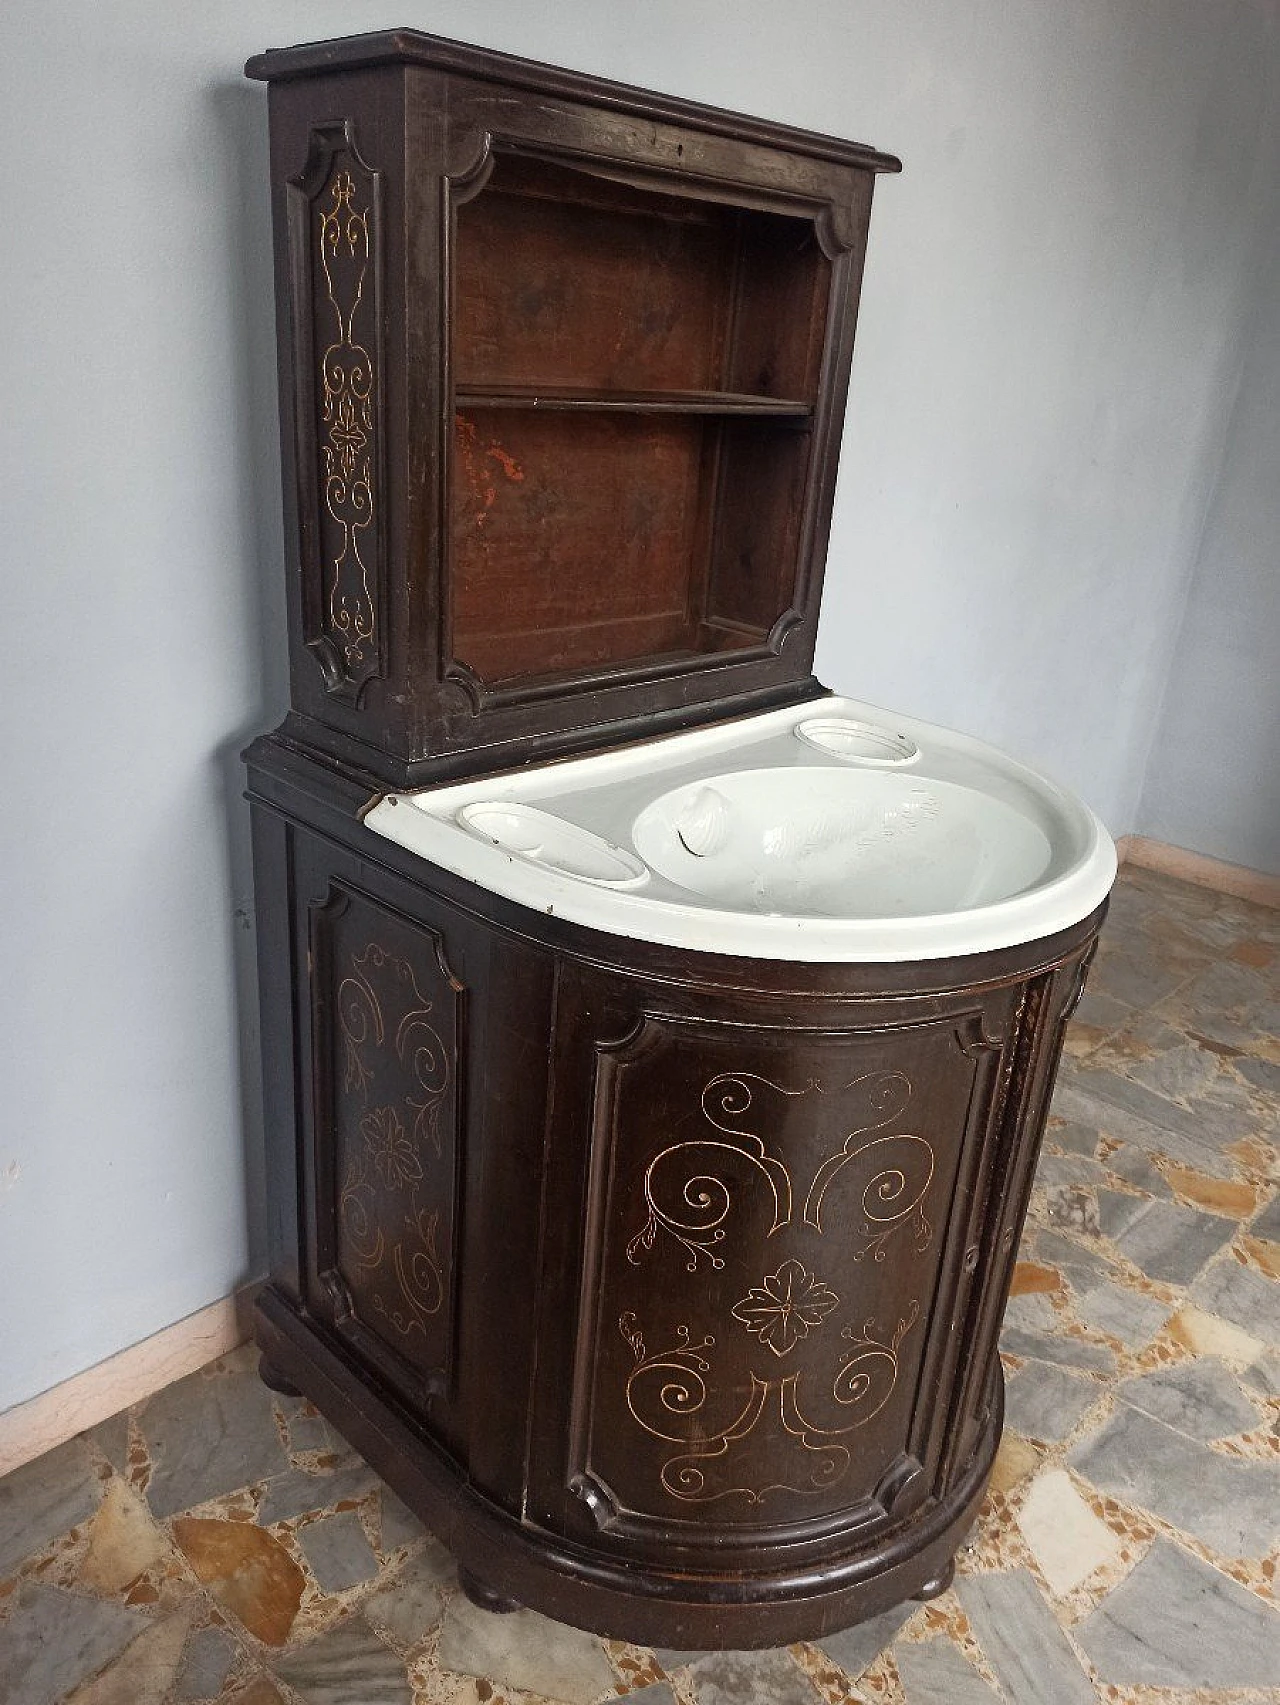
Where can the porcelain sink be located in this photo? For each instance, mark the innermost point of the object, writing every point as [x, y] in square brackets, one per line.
[830, 831]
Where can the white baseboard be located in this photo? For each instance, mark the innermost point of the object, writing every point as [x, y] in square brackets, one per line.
[1205, 872]
[29, 1429]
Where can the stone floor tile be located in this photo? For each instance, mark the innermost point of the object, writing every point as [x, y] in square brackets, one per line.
[347, 1665]
[1046, 1402]
[524, 1650]
[855, 1649]
[339, 1554]
[1199, 1398]
[657, 1693]
[1022, 1640]
[145, 1672]
[1074, 1138]
[399, 1524]
[1229, 989]
[1063, 1351]
[1233, 1198]
[1175, 1622]
[1069, 1169]
[1267, 1223]
[123, 1540]
[262, 1691]
[1161, 1127]
[1035, 1312]
[207, 1435]
[206, 1664]
[310, 1431]
[1072, 1205]
[53, 1640]
[1262, 1074]
[1015, 1459]
[1182, 1072]
[1134, 1166]
[408, 1606]
[1130, 969]
[751, 1678]
[1230, 1505]
[300, 1493]
[1101, 1012]
[1033, 1278]
[1263, 1374]
[45, 1499]
[1172, 1243]
[1117, 1211]
[1127, 1315]
[1241, 1296]
[1070, 1256]
[248, 1571]
[935, 1671]
[1206, 1334]
[1062, 1533]
[112, 1439]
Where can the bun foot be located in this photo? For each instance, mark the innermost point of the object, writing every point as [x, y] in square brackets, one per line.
[274, 1380]
[485, 1596]
[937, 1584]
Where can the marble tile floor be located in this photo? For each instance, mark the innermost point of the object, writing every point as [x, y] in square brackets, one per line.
[221, 1543]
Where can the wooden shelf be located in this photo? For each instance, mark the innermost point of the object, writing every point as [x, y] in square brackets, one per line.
[563, 398]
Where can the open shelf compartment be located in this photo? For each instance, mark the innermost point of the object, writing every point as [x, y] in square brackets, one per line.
[635, 379]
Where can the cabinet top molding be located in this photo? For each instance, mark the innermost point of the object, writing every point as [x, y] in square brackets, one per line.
[414, 47]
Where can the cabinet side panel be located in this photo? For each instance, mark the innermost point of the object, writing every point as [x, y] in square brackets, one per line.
[387, 1024]
[282, 1112]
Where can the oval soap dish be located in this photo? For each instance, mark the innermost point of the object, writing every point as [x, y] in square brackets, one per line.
[858, 742]
[549, 841]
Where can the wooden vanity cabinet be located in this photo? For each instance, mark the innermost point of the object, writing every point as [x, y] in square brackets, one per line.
[663, 1285]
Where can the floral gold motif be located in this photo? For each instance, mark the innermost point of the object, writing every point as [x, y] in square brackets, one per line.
[335, 238]
[389, 1231]
[668, 1392]
[783, 1432]
[347, 398]
[692, 1206]
[782, 1310]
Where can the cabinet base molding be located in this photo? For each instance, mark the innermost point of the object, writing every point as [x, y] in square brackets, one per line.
[1205, 872]
[30, 1429]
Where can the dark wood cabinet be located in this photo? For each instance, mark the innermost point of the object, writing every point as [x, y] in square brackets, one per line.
[563, 373]
[663, 1284]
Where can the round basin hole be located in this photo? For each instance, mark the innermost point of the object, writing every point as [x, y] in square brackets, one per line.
[858, 742]
[550, 841]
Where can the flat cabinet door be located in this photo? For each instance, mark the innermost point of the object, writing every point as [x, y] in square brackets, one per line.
[386, 1019]
[775, 1260]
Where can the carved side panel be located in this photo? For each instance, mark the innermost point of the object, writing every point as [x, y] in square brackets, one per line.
[387, 1015]
[335, 244]
[770, 1210]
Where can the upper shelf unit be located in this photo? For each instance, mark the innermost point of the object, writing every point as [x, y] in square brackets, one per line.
[564, 367]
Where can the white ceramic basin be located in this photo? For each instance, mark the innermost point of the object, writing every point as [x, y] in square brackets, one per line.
[829, 831]
[835, 843]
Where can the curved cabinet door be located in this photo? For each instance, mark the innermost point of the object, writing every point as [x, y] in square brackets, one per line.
[777, 1252]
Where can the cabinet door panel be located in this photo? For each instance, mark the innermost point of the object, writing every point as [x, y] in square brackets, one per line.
[386, 1021]
[770, 1268]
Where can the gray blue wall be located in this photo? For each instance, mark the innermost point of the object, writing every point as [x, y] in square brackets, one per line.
[1056, 304]
[1213, 777]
